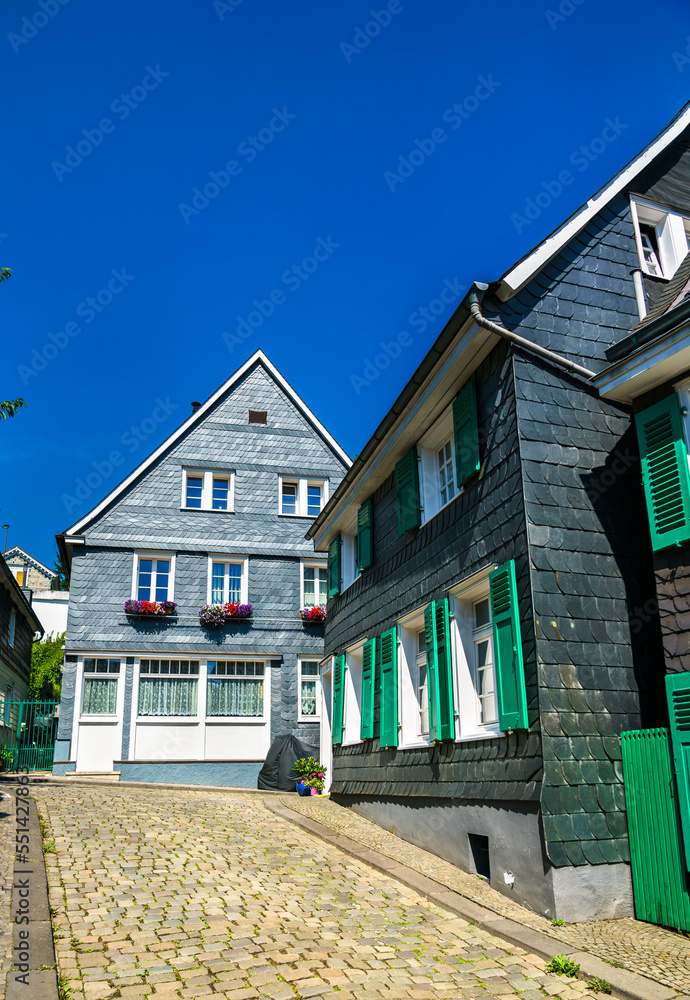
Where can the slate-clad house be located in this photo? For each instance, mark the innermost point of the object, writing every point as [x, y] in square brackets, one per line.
[18, 625]
[216, 515]
[487, 551]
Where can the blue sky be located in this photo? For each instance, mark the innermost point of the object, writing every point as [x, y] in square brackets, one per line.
[170, 165]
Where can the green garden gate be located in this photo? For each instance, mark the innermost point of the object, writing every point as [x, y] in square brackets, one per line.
[28, 731]
[659, 870]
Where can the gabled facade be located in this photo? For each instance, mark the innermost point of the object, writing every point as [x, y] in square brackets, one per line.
[487, 551]
[216, 515]
[27, 571]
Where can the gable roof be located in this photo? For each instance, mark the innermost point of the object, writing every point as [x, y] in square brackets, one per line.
[258, 358]
[534, 260]
[20, 599]
[16, 551]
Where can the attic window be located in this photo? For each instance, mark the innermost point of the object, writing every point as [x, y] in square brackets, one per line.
[257, 416]
[662, 238]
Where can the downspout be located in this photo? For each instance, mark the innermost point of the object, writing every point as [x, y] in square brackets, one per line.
[476, 296]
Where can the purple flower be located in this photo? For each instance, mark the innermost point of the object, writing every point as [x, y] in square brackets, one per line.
[244, 610]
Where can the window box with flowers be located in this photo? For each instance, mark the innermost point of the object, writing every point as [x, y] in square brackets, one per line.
[150, 609]
[215, 615]
[313, 616]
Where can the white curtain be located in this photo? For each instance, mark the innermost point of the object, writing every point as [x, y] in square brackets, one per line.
[308, 697]
[235, 697]
[167, 696]
[99, 697]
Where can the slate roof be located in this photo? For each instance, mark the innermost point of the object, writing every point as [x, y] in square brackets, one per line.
[675, 292]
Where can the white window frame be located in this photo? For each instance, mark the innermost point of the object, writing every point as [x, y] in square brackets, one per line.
[462, 599]
[352, 695]
[348, 555]
[227, 560]
[138, 556]
[244, 720]
[409, 709]
[13, 628]
[83, 675]
[428, 446]
[207, 476]
[301, 494]
[308, 677]
[672, 230]
[311, 564]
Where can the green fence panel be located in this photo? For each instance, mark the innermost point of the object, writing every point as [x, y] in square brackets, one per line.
[28, 730]
[660, 878]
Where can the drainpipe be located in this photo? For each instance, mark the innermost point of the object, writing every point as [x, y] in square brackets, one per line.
[477, 293]
[640, 296]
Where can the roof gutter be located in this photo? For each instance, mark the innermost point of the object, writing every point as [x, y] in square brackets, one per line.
[666, 322]
[476, 296]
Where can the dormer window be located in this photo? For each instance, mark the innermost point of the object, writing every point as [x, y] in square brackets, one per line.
[662, 238]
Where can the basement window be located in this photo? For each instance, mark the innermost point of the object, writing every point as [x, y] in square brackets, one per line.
[479, 855]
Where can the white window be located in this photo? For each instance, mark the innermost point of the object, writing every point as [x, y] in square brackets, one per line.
[153, 577]
[352, 695]
[235, 689]
[413, 683]
[302, 497]
[662, 238]
[437, 473]
[13, 626]
[227, 582]
[348, 554]
[314, 585]
[168, 687]
[205, 490]
[472, 643]
[422, 685]
[309, 691]
[99, 696]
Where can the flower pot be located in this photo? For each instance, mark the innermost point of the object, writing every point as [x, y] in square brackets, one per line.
[302, 788]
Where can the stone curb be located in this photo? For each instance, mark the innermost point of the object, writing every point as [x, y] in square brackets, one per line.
[60, 780]
[626, 985]
[42, 981]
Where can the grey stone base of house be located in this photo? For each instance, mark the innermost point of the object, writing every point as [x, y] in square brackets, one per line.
[66, 767]
[236, 774]
[455, 830]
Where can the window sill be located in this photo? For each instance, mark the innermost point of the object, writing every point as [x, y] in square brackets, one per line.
[112, 719]
[352, 743]
[490, 733]
[425, 520]
[186, 720]
[309, 718]
[417, 745]
[245, 720]
[310, 517]
[206, 510]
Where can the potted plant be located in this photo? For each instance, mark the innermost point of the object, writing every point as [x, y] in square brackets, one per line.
[313, 616]
[215, 615]
[237, 610]
[150, 609]
[312, 774]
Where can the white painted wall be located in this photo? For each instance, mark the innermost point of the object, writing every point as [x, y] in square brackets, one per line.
[50, 607]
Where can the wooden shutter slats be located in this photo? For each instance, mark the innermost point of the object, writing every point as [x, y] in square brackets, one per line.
[368, 675]
[466, 433]
[665, 474]
[511, 696]
[338, 695]
[678, 695]
[334, 567]
[365, 536]
[389, 689]
[407, 492]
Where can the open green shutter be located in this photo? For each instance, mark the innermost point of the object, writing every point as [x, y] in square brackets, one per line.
[439, 669]
[466, 433]
[665, 474]
[407, 492]
[678, 694]
[334, 567]
[510, 675]
[365, 536]
[389, 689]
[432, 669]
[338, 696]
[368, 673]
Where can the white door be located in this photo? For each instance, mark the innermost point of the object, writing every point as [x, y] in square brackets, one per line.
[326, 746]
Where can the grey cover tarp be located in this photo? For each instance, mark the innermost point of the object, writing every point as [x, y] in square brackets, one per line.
[277, 773]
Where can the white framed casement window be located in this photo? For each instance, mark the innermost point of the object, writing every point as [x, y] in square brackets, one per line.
[437, 472]
[99, 686]
[314, 585]
[208, 490]
[168, 688]
[661, 236]
[473, 655]
[13, 627]
[309, 693]
[301, 497]
[235, 689]
[228, 580]
[352, 695]
[153, 575]
[413, 686]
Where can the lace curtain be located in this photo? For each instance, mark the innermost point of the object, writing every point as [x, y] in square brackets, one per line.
[235, 696]
[167, 696]
[99, 696]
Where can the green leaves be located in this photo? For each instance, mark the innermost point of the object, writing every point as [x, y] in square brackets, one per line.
[8, 407]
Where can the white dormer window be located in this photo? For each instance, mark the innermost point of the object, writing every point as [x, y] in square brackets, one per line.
[662, 238]
[205, 490]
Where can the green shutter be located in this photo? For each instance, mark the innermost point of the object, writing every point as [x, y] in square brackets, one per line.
[365, 536]
[334, 567]
[665, 474]
[466, 433]
[678, 694]
[368, 674]
[338, 696]
[510, 675]
[439, 665]
[407, 492]
[389, 689]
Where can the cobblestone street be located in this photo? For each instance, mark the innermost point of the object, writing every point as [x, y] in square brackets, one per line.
[186, 893]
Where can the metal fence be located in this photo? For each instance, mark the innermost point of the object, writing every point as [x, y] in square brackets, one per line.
[27, 734]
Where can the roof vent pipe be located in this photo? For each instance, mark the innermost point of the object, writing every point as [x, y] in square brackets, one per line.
[477, 292]
[195, 407]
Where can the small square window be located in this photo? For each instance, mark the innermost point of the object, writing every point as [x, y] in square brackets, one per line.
[207, 490]
[302, 497]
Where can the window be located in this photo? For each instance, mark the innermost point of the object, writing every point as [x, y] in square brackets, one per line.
[437, 466]
[422, 685]
[302, 497]
[228, 581]
[413, 683]
[168, 687]
[314, 586]
[235, 689]
[153, 578]
[483, 662]
[17, 571]
[446, 485]
[352, 695]
[204, 490]
[473, 654]
[662, 238]
[13, 626]
[100, 692]
[308, 690]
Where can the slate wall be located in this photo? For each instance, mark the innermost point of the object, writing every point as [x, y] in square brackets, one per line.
[15, 661]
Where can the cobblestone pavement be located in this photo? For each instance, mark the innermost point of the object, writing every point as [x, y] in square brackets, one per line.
[186, 893]
[7, 832]
[643, 948]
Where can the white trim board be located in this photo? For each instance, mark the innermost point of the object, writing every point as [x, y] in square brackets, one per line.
[257, 358]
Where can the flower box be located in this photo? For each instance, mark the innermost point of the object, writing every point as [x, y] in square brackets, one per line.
[215, 615]
[313, 616]
[150, 609]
